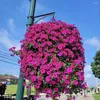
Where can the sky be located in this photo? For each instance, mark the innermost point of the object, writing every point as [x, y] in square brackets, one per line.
[85, 14]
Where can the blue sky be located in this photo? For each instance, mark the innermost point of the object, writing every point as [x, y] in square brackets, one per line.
[85, 14]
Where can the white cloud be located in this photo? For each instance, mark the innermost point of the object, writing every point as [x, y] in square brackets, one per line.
[7, 39]
[11, 25]
[7, 42]
[87, 68]
[88, 75]
[95, 42]
[87, 71]
[4, 40]
[17, 44]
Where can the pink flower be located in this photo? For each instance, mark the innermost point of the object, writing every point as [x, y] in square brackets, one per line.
[53, 38]
[49, 43]
[40, 78]
[84, 85]
[53, 82]
[68, 81]
[69, 70]
[77, 62]
[60, 54]
[48, 72]
[81, 78]
[74, 98]
[75, 82]
[56, 89]
[55, 75]
[47, 79]
[12, 49]
[52, 58]
[61, 46]
[28, 87]
[12, 54]
[33, 78]
[49, 91]
[35, 96]
[19, 61]
[36, 86]
[42, 71]
[77, 73]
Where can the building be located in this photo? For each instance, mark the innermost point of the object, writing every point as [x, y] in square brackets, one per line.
[98, 88]
[10, 79]
[2, 79]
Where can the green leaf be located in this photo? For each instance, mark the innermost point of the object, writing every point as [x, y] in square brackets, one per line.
[95, 66]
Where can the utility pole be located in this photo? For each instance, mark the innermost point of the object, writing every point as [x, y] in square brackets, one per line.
[20, 88]
[31, 17]
[31, 12]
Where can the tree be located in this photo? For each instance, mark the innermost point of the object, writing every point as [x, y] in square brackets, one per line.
[96, 65]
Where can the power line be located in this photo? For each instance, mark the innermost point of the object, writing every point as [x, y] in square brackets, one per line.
[7, 55]
[8, 58]
[8, 62]
[4, 52]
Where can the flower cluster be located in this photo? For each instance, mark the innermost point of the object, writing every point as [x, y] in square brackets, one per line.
[52, 58]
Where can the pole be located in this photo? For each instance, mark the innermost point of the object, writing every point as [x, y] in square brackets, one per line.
[84, 93]
[31, 22]
[31, 12]
[20, 88]
[96, 85]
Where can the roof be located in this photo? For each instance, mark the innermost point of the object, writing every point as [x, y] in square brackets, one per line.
[98, 85]
[11, 77]
[7, 77]
[2, 79]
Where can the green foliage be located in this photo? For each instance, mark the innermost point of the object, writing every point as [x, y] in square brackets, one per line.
[11, 89]
[4, 75]
[14, 81]
[96, 96]
[96, 65]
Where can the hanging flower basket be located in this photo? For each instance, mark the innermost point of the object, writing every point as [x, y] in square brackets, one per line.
[52, 58]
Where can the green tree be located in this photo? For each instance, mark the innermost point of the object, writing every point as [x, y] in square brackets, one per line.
[96, 65]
